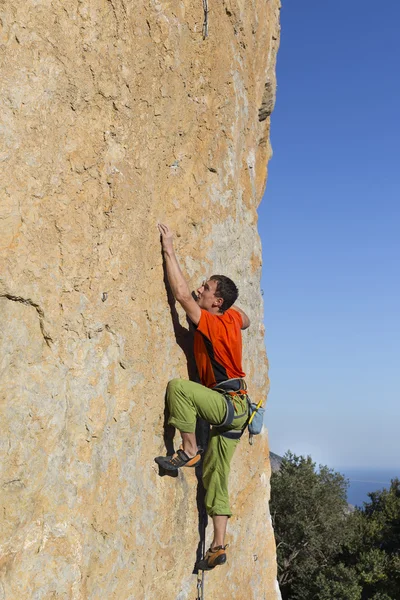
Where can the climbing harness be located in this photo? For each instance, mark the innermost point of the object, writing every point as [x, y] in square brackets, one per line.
[229, 389]
[238, 387]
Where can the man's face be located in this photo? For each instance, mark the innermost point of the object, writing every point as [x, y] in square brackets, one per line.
[206, 297]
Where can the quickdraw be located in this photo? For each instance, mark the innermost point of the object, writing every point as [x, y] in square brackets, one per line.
[200, 585]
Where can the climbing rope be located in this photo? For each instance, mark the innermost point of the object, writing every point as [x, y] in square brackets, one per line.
[202, 436]
[200, 574]
[205, 22]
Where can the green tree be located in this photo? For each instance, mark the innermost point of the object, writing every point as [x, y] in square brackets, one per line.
[326, 552]
[337, 582]
[373, 546]
[384, 511]
[308, 508]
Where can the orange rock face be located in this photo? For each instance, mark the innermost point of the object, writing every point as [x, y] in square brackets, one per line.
[116, 115]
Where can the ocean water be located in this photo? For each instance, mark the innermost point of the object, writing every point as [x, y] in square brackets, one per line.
[364, 480]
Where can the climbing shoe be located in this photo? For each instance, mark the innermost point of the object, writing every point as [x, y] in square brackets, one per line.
[177, 460]
[214, 557]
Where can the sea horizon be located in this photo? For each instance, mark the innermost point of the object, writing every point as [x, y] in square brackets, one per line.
[364, 480]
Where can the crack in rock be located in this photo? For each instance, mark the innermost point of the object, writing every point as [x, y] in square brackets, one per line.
[268, 101]
[28, 302]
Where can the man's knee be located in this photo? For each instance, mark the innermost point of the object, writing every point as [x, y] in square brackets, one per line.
[176, 391]
[174, 385]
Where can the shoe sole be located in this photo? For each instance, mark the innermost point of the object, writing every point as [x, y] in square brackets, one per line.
[164, 465]
[193, 462]
[203, 565]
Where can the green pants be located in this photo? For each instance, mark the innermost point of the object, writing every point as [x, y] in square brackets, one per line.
[187, 401]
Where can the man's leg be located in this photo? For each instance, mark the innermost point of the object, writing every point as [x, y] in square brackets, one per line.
[187, 401]
[219, 522]
[216, 470]
[216, 555]
[189, 443]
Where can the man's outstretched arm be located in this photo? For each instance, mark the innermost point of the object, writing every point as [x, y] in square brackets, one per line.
[245, 318]
[179, 287]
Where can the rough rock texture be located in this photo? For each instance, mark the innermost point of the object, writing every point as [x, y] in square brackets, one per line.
[115, 115]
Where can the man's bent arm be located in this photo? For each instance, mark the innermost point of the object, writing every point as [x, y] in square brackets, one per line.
[179, 286]
[245, 318]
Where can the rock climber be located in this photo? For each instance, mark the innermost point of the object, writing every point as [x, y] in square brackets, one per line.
[220, 399]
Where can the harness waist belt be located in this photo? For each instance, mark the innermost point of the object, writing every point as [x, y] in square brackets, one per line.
[231, 385]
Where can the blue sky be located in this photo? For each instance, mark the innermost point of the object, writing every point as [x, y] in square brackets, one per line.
[329, 224]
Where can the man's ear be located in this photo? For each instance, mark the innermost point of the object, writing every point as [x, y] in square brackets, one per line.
[218, 302]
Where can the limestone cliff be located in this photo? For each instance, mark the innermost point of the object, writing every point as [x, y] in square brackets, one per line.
[116, 115]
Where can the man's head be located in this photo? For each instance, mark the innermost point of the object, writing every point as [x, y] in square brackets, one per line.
[217, 294]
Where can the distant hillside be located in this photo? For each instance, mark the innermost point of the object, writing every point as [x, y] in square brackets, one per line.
[276, 461]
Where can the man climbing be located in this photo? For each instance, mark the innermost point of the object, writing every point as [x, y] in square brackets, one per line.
[218, 355]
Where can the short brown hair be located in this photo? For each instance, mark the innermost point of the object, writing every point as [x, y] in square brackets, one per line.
[226, 290]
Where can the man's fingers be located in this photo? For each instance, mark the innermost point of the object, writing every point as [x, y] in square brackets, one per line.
[163, 229]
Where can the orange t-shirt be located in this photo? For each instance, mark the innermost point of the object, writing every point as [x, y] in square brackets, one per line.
[218, 347]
